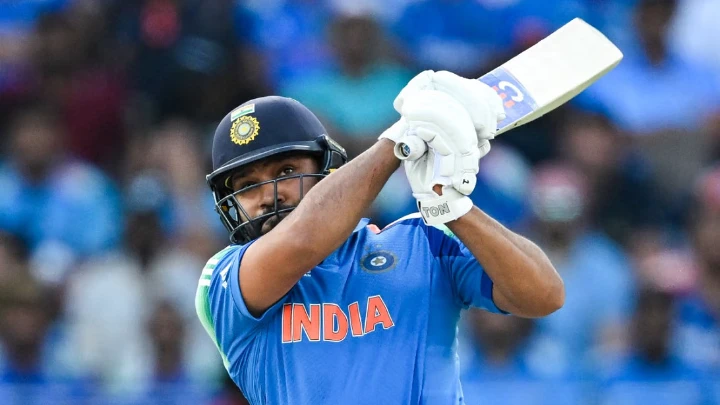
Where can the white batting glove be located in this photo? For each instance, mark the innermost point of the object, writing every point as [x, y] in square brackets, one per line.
[480, 100]
[452, 161]
[398, 132]
[435, 209]
[445, 126]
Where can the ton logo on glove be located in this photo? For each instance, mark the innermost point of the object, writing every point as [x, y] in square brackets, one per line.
[436, 211]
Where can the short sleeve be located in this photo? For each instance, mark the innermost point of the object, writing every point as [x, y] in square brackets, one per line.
[227, 318]
[472, 287]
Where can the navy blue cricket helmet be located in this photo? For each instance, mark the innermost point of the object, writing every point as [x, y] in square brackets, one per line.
[259, 129]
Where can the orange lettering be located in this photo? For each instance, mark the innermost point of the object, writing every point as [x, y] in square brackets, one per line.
[333, 323]
[331, 312]
[355, 320]
[287, 323]
[309, 323]
[377, 313]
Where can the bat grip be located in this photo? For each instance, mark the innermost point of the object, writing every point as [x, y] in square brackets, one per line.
[410, 148]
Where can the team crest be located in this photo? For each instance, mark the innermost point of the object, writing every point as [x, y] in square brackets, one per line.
[378, 262]
[244, 130]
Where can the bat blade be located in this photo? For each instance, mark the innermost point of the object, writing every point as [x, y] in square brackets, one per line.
[552, 72]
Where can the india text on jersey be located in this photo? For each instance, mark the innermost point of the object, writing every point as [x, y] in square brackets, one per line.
[328, 322]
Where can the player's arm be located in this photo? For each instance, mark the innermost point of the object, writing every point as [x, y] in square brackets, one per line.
[525, 283]
[322, 221]
[523, 279]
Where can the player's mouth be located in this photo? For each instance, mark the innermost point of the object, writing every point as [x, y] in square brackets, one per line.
[272, 222]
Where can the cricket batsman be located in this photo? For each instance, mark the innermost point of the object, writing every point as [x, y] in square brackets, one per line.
[311, 304]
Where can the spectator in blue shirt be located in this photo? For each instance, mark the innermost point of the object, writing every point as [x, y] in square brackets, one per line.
[455, 35]
[697, 340]
[291, 35]
[496, 348]
[498, 366]
[61, 207]
[596, 272]
[28, 374]
[354, 99]
[651, 374]
[171, 381]
[593, 144]
[17, 19]
[654, 89]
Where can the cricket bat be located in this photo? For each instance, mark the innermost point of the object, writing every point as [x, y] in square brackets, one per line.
[545, 76]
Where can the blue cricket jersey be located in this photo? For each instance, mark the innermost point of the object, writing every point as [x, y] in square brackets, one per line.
[374, 323]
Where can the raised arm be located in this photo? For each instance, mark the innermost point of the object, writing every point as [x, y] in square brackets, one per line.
[525, 283]
[322, 221]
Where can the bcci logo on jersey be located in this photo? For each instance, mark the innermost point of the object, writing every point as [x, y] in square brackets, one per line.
[378, 262]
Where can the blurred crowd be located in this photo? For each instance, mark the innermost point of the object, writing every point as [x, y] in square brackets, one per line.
[107, 109]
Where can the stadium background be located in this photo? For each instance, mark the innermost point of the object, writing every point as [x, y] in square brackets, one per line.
[107, 109]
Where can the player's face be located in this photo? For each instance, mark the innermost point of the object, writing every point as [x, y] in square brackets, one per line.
[260, 200]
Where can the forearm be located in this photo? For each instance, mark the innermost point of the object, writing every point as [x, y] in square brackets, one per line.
[323, 220]
[525, 281]
[339, 200]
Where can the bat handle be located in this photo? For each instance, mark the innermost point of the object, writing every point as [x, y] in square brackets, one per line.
[410, 148]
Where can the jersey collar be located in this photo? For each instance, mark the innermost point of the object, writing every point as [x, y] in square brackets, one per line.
[362, 224]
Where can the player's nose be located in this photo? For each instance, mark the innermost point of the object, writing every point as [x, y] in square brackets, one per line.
[268, 195]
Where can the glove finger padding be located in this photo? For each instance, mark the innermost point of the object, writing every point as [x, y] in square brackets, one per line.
[421, 81]
[465, 176]
[441, 121]
[435, 116]
[480, 100]
[396, 132]
[433, 135]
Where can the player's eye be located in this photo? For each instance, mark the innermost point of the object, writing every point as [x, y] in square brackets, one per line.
[288, 170]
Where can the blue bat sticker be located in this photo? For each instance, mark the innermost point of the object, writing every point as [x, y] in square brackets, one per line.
[516, 99]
